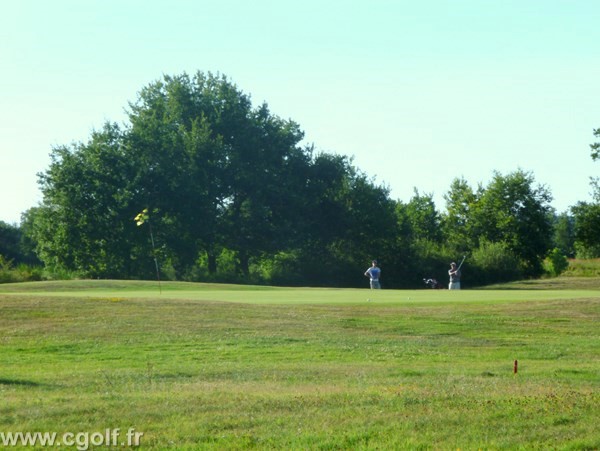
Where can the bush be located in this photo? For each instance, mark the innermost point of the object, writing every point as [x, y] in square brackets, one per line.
[56, 273]
[556, 262]
[495, 262]
[227, 270]
[6, 270]
[20, 273]
[584, 252]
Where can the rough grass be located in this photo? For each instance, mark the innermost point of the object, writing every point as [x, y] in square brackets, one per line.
[229, 367]
[583, 268]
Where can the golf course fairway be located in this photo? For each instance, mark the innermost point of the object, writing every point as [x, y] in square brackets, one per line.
[206, 366]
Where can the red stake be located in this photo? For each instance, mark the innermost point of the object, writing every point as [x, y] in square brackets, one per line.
[515, 367]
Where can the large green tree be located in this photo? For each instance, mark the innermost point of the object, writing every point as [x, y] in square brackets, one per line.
[212, 171]
[514, 210]
[347, 220]
[15, 246]
[82, 224]
[221, 173]
[587, 229]
[457, 223]
[586, 215]
[423, 217]
[564, 234]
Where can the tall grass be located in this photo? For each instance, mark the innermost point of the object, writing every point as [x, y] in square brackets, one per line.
[583, 268]
[9, 273]
[234, 368]
[22, 272]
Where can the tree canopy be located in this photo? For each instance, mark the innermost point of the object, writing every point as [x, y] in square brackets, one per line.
[586, 215]
[216, 175]
[232, 193]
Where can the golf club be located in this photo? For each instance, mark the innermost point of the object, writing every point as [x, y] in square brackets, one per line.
[462, 261]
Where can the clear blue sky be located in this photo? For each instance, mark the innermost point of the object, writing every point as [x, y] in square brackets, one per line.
[418, 92]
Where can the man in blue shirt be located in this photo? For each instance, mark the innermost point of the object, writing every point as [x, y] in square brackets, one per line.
[373, 274]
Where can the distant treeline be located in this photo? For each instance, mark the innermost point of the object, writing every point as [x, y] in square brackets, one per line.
[227, 193]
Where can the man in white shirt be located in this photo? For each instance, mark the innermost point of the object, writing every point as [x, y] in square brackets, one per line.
[454, 274]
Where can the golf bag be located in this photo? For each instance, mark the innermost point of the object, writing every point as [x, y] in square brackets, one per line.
[433, 283]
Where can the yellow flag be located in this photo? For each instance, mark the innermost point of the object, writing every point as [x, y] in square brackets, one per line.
[141, 217]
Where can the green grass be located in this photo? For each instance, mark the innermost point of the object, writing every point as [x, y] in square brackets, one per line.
[234, 367]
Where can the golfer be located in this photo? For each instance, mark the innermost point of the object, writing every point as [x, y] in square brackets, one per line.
[373, 274]
[454, 274]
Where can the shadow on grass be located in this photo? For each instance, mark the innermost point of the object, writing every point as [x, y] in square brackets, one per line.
[557, 283]
[19, 383]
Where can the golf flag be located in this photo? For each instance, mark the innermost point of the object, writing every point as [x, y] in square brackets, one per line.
[141, 217]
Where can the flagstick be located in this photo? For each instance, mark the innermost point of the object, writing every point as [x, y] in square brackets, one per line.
[155, 260]
[140, 219]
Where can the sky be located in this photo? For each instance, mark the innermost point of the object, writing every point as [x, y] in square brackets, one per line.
[418, 93]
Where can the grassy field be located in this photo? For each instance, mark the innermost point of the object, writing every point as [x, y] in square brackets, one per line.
[230, 367]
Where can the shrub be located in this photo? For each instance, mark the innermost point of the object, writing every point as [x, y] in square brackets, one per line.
[21, 273]
[586, 252]
[494, 262]
[284, 268]
[556, 262]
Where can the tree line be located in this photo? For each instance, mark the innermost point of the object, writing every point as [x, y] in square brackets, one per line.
[230, 194]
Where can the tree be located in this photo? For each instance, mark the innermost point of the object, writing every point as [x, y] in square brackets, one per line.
[216, 173]
[587, 229]
[564, 234]
[27, 243]
[266, 174]
[595, 147]
[513, 210]
[346, 221]
[80, 225]
[9, 241]
[423, 217]
[371, 228]
[180, 161]
[457, 223]
[586, 215]
[223, 174]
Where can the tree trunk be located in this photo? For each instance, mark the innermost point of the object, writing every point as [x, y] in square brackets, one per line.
[243, 263]
[212, 263]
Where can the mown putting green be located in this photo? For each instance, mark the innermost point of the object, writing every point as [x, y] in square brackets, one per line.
[226, 367]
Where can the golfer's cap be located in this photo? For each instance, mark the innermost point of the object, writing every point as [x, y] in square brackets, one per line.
[374, 261]
[453, 264]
